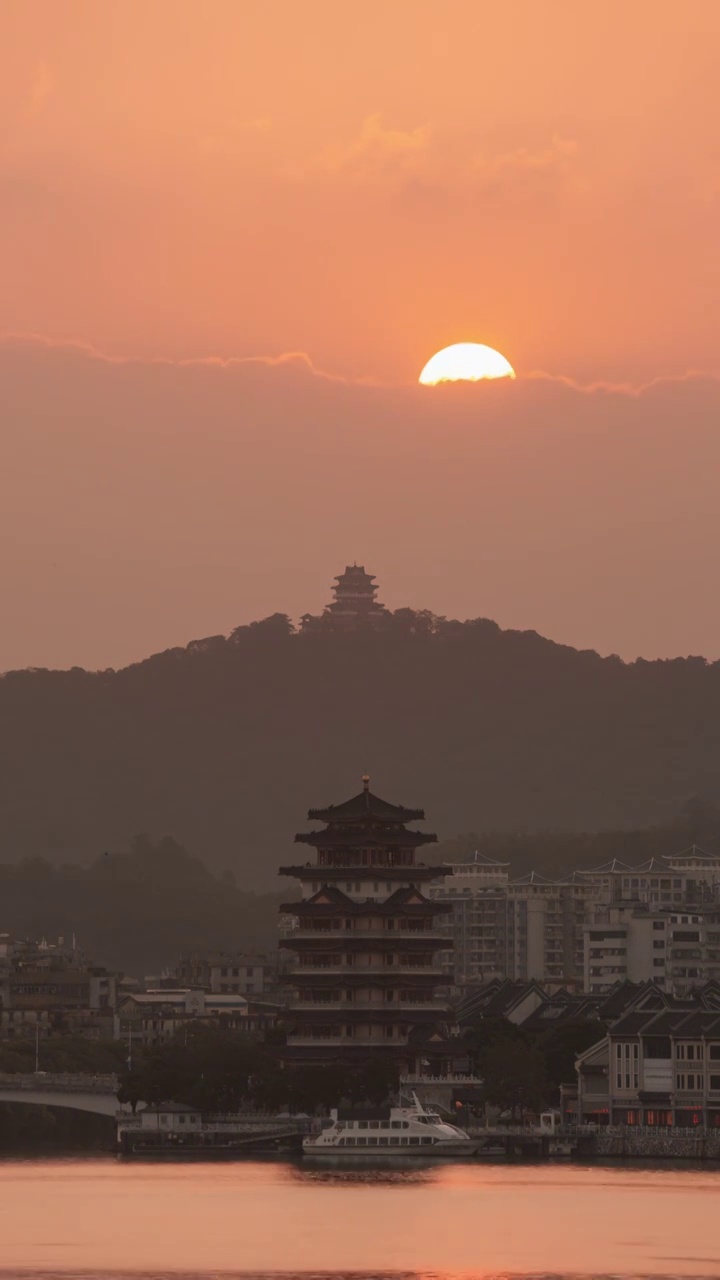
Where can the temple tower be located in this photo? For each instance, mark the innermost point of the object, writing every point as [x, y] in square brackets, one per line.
[354, 604]
[365, 971]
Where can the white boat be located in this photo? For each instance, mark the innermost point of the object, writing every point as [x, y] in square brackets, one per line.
[394, 1131]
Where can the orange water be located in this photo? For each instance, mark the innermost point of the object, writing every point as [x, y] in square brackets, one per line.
[102, 1217]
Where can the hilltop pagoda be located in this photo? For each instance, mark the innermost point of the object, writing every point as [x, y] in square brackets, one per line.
[365, 972]
[354, 605]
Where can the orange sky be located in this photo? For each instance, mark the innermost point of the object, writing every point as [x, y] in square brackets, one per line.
[364, 182]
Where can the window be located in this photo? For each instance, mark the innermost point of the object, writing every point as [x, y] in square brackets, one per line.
[627, 1071]
[715, 1052]
[691, 1082]
[715, 1082]
[658, 924]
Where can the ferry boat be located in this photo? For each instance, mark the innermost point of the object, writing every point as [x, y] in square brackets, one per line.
[405, 1132]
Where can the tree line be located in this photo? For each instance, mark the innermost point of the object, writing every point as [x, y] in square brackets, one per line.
[227, 742]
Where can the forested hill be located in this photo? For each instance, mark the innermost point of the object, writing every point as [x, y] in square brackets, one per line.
[226, 743]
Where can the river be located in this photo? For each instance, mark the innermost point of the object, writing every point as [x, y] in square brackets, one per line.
[100, 1218]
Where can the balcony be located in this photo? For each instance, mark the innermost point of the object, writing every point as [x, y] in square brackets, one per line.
[310, 971]
[361, 935]
[363, 1006]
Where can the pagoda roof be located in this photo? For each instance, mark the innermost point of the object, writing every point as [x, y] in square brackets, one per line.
[366, 804]
[354, 575]
[331, 839]
[330, 898]
[418, 871]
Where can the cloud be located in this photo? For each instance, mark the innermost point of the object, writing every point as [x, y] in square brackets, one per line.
[184, 496]
[431, 165]
[303, 363]
[79, 347]
[557, 157]
[377, 152]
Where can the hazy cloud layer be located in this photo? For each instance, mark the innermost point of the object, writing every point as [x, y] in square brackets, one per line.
[144, 504]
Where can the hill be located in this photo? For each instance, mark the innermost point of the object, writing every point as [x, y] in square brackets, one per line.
[226, 743]
[137, 911]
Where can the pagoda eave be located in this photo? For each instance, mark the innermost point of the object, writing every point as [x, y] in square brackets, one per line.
[371, 839]
[418, 871]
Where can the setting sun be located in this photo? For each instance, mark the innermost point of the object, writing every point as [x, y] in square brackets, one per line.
[465, 362]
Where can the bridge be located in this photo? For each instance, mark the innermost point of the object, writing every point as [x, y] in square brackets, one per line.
[96, 1093]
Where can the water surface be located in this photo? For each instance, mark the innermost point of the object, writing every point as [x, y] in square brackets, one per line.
[101, 1218]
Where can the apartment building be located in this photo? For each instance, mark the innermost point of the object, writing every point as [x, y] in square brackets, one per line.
[675, 949]
[659, 922]
[227, 972]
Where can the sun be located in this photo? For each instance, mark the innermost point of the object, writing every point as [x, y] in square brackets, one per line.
[465, 362]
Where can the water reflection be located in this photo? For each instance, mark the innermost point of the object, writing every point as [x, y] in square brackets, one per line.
[103, 1220]
[386, 1175]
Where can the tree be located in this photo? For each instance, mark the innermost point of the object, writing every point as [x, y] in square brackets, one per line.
[514, 1077]
[561, 1045]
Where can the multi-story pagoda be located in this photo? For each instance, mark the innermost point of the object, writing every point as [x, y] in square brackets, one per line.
[354, 604]
[365, 972]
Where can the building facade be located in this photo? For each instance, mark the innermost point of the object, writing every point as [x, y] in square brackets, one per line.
[659, 922]
[366, 971]
[655, 1068]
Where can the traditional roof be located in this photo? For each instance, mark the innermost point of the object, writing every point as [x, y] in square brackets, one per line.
[476, 859]
[393, 839]
[534, 877]
[330, 898]
[635, 1021]
[418, 871]
[366, 805]
[496, 999]
[615, 866]
[625, 995]
[694, 852]
[561, 1008]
